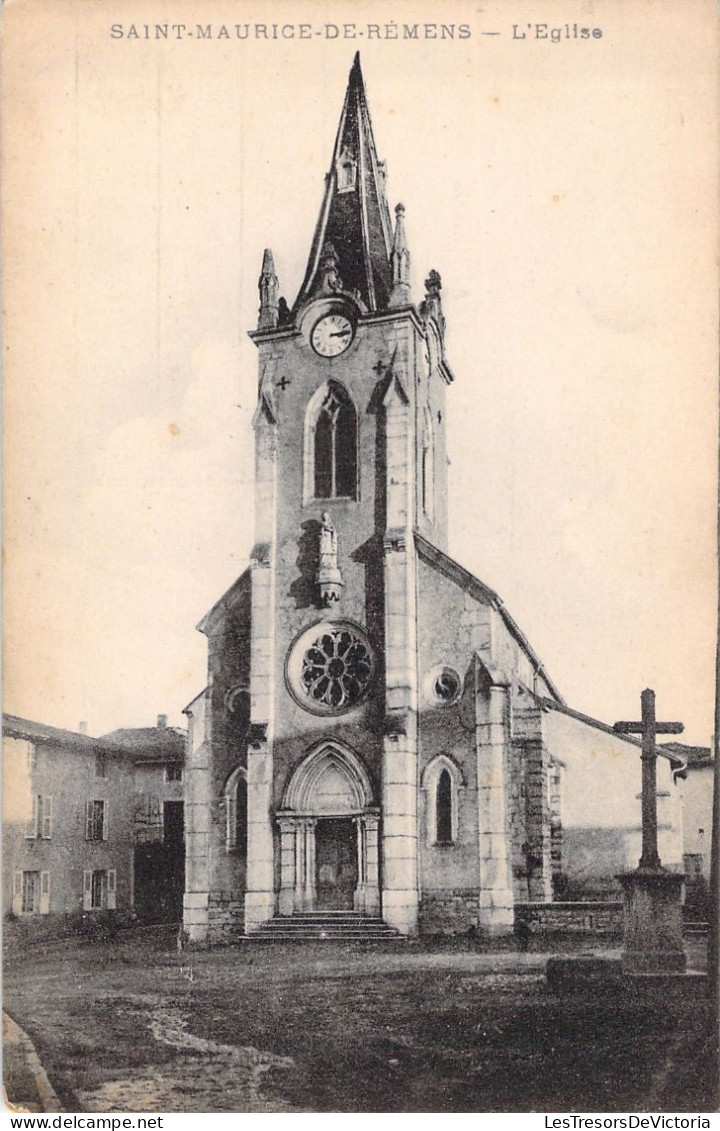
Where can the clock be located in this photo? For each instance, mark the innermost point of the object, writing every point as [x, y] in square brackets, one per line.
[331, 335]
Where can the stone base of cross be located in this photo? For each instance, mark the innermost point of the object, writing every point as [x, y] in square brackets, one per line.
[653, 908]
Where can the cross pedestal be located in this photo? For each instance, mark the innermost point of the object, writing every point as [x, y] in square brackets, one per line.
[653, 911]
[653, 922]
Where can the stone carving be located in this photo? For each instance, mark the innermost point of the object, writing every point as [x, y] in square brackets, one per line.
[330, 581]
[330, 280]
[431, 307]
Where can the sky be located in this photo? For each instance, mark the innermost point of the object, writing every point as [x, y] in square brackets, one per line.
[566, 192]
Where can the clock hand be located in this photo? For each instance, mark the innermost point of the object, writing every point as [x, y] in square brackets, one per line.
[338, 333]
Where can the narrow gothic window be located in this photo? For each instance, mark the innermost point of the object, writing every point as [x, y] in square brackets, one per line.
[334, 447]
[443, 803]
[236, 810]
[241, 817]
[428, 467]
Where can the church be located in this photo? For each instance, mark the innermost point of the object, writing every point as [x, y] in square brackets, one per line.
[375, 742]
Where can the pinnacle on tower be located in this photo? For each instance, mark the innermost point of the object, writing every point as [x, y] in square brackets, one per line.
[354, 216]
[431, 307]
[400, 262]
[268, 288]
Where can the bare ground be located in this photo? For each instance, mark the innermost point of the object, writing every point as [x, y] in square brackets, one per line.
[131, 1025]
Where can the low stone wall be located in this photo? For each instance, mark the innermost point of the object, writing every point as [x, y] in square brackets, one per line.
[455, 912]
[601, 917]
[450, 912]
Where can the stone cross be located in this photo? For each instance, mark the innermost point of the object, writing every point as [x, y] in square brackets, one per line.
[648, 727]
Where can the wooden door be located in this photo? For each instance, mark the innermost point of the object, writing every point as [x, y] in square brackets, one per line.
[336, 863]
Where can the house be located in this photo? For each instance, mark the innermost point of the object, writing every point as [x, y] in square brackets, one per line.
[68, 829]
[697, 822]
[93, 824]
[158, 755]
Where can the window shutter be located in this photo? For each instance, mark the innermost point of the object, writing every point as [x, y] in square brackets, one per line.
[155, 818]
[88, 820]
[17, 892]
[47, 805]
[44, 893]
[111, 887]
[87, 891]
[31, 824]
[104, 820]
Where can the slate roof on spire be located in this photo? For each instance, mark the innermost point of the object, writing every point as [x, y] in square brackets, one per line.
[354, 217]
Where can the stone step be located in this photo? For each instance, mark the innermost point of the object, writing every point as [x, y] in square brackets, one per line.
[316, 936]
[291, 920]
[324, 926]
[328, 927]
[335, 916]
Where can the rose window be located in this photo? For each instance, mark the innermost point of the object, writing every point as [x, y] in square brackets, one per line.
[330, 668]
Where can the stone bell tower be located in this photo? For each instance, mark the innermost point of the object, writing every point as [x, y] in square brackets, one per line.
[349, 459]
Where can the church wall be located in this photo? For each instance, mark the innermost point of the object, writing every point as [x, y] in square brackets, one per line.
[507, 653]
[449, 874]
[215, 878]
[602, 779]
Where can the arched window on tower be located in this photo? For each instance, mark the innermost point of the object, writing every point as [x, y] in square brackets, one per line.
[427, 470]
[331, 445]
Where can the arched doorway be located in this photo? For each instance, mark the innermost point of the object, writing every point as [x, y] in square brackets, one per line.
[329, 835]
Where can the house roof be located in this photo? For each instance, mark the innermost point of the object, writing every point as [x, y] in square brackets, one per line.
[694, 756]
[664, 752]
[151, 744]
[467, 581]
[16, 727]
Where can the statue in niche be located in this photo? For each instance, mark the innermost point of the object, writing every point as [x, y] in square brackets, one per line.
[330, 580]
[330, 280]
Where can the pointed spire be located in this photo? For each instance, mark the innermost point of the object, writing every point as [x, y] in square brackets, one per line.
[400, 262]
[354, 217]
[268, 288]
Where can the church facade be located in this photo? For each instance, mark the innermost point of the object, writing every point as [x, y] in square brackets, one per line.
[371, 737]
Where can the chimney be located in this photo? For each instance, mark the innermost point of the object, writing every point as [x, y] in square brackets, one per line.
[82, 727]
[162, 722]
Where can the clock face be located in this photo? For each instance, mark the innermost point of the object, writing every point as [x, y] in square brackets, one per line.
[331, 335]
